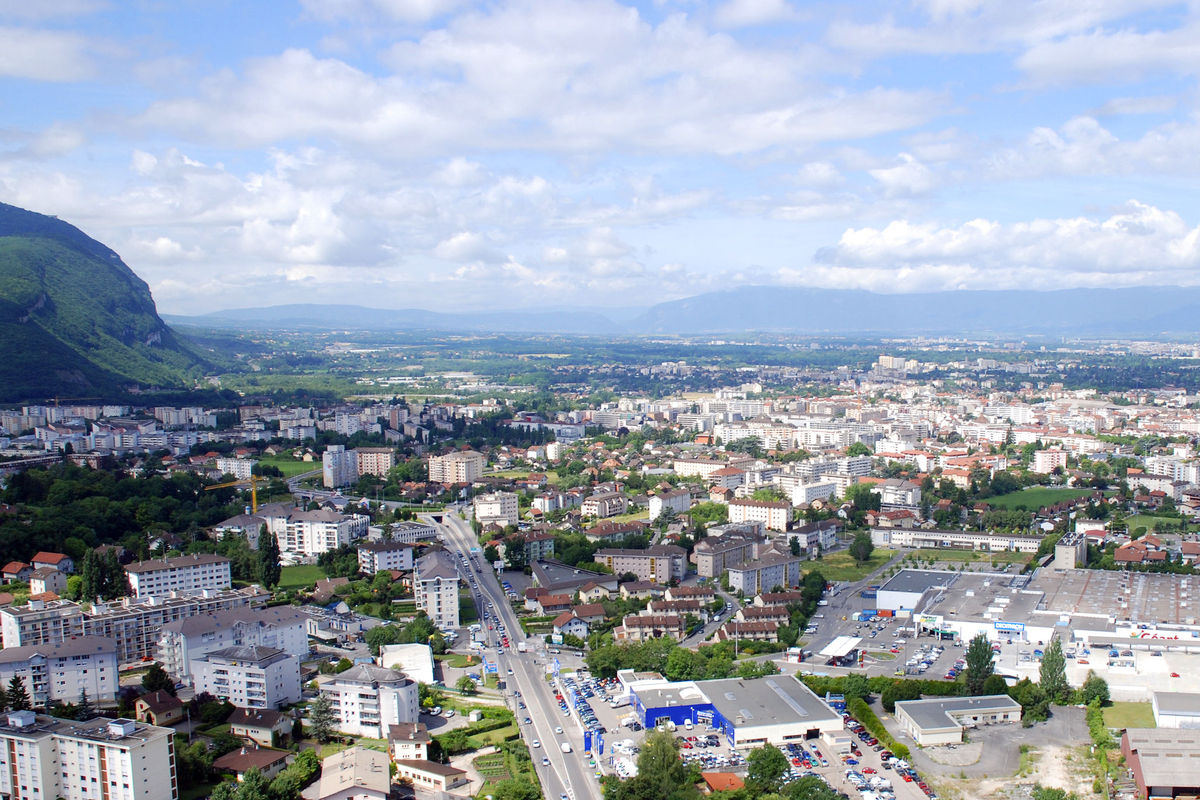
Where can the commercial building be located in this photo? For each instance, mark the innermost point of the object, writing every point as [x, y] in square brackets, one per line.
[414, 660]
[678, 501]
[777, 710]
[954, 539]
[1171, 709]
[43, 758]
[499, 508]
[369, 699]
[280, 627]
[906, 588]
[412, 532]
[557, 577]
[1164, 763]
[64, 670]
[339, 466]
[435, 584]
[463, 467]
[941, 720]
[774, 516]
[355, 774]
[311, 533]
[183, 573]
[134, 624]
[376, 556]
[249, 676]
[375, 460]
[661, 563]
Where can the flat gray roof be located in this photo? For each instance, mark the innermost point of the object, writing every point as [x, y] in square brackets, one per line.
[918, 581]
[1179, 703]
[1168, 757]
[933, 714]
[775, 700]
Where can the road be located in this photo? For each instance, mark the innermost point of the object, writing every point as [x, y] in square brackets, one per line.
[567, 774]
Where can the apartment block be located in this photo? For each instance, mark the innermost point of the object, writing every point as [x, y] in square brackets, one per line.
[63, 670]
[280, 627]
[376, 556]
[240, 468]
[43, 758]
[375, 460]
[604, 504]
[1046, 461]
[311, 533]
[679, 501]
[462, 467]
[501, 508]
[775, 516]
[370, 699]
[249, 676]
[715, 554]
[184, 573]
[768, 570]
[339, 466]
[661, 563]
[435, 584]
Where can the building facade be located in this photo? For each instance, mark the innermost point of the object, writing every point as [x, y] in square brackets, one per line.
[501, 508]
[249, 676]
[774, 516]
[339, 466]
[160, 576]
[661, 563]
[369, 699]
[280, 627]
[311, 533]
[63, 670]
[462, 467]
[435, 584]
[376, 556]
[679, 501]
[375, 460]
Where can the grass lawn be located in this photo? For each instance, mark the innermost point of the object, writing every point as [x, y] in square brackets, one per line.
[458, 660]
[1129, 715]
[300, 577]
[520, 473]
[1035, 497]
[290, 466]
[493, 737]
[1150, 522]
[640, 515]
[192, 791]
[841, 567]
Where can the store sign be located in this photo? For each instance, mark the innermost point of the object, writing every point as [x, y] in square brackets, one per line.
[1010, 627]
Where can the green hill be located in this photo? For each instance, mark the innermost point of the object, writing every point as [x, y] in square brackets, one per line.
[74, 319]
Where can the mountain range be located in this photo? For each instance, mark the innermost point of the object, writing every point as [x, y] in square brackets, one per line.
[1124, 312]
[74, 319]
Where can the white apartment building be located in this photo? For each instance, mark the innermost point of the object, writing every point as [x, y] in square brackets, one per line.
[435, 584]
[660, 563]
[311, 533]
[249, 676]
[185, 573]
[240, 468]
[775, 516]
[501, 508]
[1045, 461]
[704, 467]
[376, 556]
[461, 467]
[679, 501]
[555, 451]
[43, 758]
[412, 532]
[604, 505]
[896, 494]
[339, 466]
[280, 627]
[807, 492]
[63, 670]
[375, 460]
[370, 699]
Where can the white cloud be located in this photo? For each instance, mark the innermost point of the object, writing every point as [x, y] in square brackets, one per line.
[1117, 56]
[365, 10]
[1159, 104]
[909, 177]
[44, 55]
[745, 13]
[49, 9]
[467, 246]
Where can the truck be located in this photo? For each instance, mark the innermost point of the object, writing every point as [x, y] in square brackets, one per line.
[520, 647]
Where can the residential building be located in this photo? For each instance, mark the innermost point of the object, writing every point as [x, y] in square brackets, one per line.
[604, 505]
[160, 576]
[58, 561]
[557, 577]
[414, 660]
[369, 699]
[180, 641]
[638, 628]
[896, 494]
[339, 466]
[412, 532]
[240, 468]
[704, 467]
[435, 584]
[17, 571]
[159, 708]
[269, 763]
[770, 568]
[536, 546]
[775, 516]
[374, 557]
[409, 741]
[261, 726]
[568, 623]
[1046, 461]
[249, 676]
[355, 774]
[715, 554]
[500, 508]
[614, 531]
[47, 579]
[461, 467]
[805, 493]
[311, 533]
[375, 460]
[661, 563]
[430, 775]
[62, 670]
[678, 501]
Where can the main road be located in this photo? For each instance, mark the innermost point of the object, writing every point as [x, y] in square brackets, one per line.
[568, 774]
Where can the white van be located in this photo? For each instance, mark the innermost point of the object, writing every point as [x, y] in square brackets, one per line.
[687, 724]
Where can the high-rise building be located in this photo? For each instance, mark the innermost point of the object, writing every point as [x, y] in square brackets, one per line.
[249, 676]
[460, 467]
[184, 573]
[369, 699]
[62, 670]
[340, 466]
[435, 585]
[375, 460]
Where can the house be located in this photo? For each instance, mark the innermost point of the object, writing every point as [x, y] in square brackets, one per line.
[571, 625]
[901, 518]
[159, 708]
[325, 588]
[262, 726]
[548, 604]
[16, 571]
[269, 762]
[703, 594]
[409, 741]
[355, 774]
[590, 613]
[428, 775]
[47, 579]
[593, 593]
[638, 628]
[56, 561]
[640, 590]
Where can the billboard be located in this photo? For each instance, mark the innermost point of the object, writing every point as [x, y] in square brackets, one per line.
[556, 638]
[599, 744]
[587, 741]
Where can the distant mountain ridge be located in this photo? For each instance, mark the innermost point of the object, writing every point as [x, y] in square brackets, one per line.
[74, 319]
[1136, 311]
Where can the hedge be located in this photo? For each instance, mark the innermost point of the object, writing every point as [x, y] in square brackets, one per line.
[862, 712]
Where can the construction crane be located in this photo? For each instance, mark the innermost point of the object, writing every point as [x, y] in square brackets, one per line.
[70, 399]
[253, 480]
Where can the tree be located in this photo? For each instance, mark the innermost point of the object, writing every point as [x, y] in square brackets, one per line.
[979, 664]
[269, 568]
[995, 684]
[465, 685]
[342, 665]
[298, 732]
[859, 449]
[1095, 689]
[1053, 672]
[491, 554]
[898, 691]
[811, 788]
[321, 718]
[156, 678]
[765, 768]
[85, 710]
[380, 635]
[254, 786]
[514, 552]
[861, 548]
[794, 545]
[855, 686]
[3, 699]
[18, 698]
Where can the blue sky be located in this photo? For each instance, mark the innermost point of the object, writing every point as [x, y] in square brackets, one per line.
[447, 154]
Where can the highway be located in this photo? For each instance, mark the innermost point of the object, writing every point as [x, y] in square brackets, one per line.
[568, 774]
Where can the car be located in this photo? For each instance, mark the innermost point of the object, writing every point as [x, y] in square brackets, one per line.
[510, 672]
[558, 730]
[852, 761]
[536, 743]
[869, 771]
[1173, 674]
[545, 762]
[528, 721]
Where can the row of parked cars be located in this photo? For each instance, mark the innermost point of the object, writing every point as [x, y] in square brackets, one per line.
[888, 759]
[923, 659]
[509, 591]
[581, 691]
[697, 752]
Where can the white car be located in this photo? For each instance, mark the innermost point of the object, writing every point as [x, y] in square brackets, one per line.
[545, 762]
[558, 730]
[536, 743]
[510, 672]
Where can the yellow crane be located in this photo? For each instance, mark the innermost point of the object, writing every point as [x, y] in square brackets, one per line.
[253, 480]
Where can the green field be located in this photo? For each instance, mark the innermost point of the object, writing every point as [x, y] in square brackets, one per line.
[1035, 497]
[841, 567]
[1129, 715]
[1150, 522]
[300, 577]
[290, 466]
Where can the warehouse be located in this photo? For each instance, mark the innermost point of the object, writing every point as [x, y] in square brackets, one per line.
[1164, 763]
[941, 720]
[1176, 709]
[750, 712]
[906, 588]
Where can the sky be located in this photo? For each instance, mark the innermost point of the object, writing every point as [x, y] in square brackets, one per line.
[456, 155]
